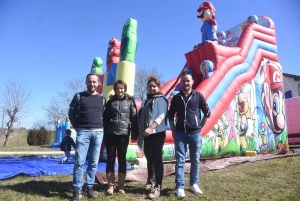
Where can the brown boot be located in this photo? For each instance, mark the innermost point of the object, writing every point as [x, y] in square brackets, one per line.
[110, 182]
[121, 181]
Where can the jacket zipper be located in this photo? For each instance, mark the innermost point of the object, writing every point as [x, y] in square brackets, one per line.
[120, 102]
[185, 104]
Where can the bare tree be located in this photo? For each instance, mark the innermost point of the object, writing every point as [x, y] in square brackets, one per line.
[141, 77]
[59, 105]
[15, 99]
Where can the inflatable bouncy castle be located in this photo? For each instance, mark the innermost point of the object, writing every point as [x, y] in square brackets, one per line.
[239, 75]
[236, 70]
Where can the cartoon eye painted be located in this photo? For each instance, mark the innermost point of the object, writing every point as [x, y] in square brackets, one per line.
[276, 104]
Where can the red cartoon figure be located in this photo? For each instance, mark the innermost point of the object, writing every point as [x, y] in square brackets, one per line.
[207, 14]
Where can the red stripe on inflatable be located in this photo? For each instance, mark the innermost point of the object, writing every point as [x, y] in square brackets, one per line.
[264, 37]
[168, 86]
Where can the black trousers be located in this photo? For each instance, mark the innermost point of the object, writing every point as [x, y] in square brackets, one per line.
[114, 144]
[153, 150]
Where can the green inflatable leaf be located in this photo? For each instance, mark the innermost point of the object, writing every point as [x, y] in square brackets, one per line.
[97, 65]
[129, 41]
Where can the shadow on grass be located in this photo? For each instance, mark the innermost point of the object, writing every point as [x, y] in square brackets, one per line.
[43, 188]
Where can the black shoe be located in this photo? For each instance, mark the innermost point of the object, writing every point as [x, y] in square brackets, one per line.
[76, 195]
[90, 192]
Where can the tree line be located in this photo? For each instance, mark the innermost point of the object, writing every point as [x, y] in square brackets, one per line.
[15, 100]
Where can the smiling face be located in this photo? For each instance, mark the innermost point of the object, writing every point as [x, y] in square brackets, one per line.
[186, 82]
[120, 90]
[92, 82]
[152, 88]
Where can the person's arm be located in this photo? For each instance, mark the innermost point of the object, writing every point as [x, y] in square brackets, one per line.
[171, 114]
[206, 111]
[162, 107]
[73, 144]
[133, 121]
[73, 111]
[105, 114]
[203, 122]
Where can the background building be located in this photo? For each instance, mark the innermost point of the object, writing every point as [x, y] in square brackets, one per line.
[291, 84]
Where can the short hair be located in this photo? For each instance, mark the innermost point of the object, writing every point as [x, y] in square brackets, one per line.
[90, 74]
[68, 132]
[153, 79]
[120, 82]
[185, 72]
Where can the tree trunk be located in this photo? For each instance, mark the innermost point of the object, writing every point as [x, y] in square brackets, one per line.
[9, 131]
[6, 139]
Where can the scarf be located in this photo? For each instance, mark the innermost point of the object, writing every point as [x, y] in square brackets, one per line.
[145, 116]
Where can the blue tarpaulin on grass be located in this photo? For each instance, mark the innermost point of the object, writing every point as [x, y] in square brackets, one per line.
[35, 166]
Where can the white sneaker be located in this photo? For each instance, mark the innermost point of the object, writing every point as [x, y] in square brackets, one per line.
[195, 188]
[180, 193]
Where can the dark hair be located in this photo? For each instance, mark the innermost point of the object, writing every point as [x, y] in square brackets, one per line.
[68, 132]
[153, 79]
[185, 72]
[120, 82]
[90, 74]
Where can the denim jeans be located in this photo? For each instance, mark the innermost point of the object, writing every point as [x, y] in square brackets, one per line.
[66, 158]
[87, 142]
[195, 141]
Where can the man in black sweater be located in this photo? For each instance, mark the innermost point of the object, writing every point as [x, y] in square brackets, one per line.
[85, 114]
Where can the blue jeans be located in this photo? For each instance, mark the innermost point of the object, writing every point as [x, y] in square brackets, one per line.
[66, 158]
[87, 142]
[195, 141]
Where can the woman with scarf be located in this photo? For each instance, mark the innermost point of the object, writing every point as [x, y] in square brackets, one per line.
[152, 134]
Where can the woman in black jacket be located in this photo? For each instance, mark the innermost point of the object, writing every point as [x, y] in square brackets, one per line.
[119, 118]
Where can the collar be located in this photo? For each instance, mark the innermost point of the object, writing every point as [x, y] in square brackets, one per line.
[192, 93]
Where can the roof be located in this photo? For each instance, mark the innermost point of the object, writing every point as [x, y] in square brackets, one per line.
[291, 75]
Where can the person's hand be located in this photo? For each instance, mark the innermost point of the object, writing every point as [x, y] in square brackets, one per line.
[133, 140]
[147, 132]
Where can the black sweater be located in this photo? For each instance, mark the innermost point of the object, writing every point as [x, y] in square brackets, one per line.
[87, 111]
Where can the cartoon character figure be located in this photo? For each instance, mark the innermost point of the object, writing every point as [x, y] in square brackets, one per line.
[221, 37]
[245, 121]
[272, 97]
[251, 18]
[207, 13]
[206, 68]
[220, 131]
[231, 39]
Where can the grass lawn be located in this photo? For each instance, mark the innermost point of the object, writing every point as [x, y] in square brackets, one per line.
[275, 180]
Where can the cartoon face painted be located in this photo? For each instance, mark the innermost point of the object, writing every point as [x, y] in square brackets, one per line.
[272, 97]
[243, 105]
